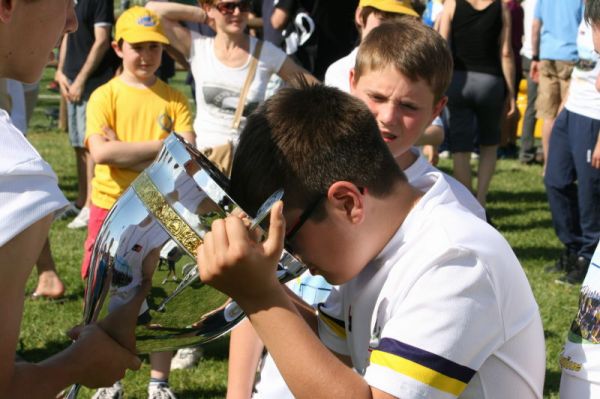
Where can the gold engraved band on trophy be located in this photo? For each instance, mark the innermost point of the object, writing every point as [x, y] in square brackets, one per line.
[156, 204]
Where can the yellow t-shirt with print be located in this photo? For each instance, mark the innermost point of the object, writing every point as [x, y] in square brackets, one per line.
[136, 115]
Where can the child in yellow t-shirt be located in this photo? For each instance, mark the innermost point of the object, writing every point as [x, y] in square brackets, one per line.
[129, 117]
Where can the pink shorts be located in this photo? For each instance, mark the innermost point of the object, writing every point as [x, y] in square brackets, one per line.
[97, 216]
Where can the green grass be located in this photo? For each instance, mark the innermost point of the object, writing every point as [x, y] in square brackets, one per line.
[517, 204]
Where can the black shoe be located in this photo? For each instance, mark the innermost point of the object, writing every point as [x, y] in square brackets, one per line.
[577, 275]
[564, 264]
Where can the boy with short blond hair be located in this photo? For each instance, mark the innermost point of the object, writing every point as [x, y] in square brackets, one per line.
[127, 120]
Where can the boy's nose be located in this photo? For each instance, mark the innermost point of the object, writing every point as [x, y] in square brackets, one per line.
[388, 113]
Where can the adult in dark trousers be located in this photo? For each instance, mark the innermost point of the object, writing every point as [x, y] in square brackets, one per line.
[572, 176]
[554, 52]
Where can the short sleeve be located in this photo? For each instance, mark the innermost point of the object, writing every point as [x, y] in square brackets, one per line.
[332, 328]
[182, 114]
[28, 186]
[272, 56]
[287, 5]
[98, 111]
[537, 11]
[104, 12]
[434, 340]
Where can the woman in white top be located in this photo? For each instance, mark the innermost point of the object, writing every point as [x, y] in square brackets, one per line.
[220, 64]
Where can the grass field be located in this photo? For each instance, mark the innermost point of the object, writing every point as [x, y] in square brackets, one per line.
[517, 204]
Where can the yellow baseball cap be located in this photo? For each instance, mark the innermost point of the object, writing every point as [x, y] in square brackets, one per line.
[138, 24]
[396, 6]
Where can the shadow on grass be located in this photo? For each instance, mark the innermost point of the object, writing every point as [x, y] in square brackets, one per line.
[38, 354]
[524, 197]
[523, 226]
[200, 393]
[536, 253]
[552, 382]
[66, 298]
[217, 349]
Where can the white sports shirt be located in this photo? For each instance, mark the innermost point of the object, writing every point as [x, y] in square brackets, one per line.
[444, 311]
[28, 186]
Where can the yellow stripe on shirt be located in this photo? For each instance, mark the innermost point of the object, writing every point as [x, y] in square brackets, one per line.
[418, 372]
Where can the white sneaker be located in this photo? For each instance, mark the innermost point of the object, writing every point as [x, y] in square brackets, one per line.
[160, 391]
[81, 220]
[444, 154]
[114, 392]
[67, 212]
[186, 358]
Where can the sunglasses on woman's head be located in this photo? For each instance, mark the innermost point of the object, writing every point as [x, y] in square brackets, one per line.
[228, 7]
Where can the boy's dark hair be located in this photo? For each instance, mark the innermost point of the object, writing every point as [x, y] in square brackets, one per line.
[592, 12]
[412, 48]
[303, 140]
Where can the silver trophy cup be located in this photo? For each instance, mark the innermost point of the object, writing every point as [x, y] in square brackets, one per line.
[150, 236]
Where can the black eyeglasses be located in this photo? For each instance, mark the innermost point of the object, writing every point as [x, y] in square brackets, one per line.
[304, 216]
[228, 7]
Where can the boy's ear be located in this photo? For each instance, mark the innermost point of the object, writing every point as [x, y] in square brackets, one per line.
[357, 19]
[352, 76]
[6, 8]
[439, 107]
[347, 201]
[115, 45]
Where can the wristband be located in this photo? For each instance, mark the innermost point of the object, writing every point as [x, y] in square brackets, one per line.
[535, 58]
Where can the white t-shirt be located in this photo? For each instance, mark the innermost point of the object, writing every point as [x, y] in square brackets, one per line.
[581, 354]
[444, 311]
[528, 9]
[28, 186]
[272, 385]
[583, 97]
[313, 290]
[421, 168]
[218, 88]
[338, 73]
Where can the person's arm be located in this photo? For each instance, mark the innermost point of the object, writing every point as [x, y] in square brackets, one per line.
[596, 154]
[94, 58]
[107, 150]
[94, 360]
[190, 137]
[279, 18]
[228, 259]
[508, 60]
[245, 349]
[534, 70]
[59, 76]
[445, 19]
[180, 37]
[290, 71]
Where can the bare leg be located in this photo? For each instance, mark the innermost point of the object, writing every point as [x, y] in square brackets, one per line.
[462, 168]
[485, 172]
[161, 365]
[82, 183]
[49, 284]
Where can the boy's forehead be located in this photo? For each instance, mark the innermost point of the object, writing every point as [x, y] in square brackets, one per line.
[377, 76]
